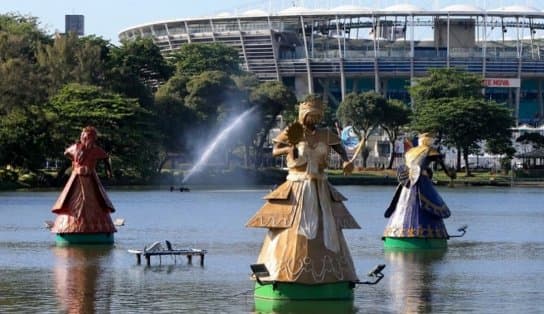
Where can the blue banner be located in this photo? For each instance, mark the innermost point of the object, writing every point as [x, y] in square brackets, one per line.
[349, 138]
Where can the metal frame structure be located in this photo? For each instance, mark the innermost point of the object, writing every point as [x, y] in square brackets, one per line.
[352, 48]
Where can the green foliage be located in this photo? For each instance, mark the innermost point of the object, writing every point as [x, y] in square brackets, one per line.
[175, 87]
[20, 36]
[363, 111]
[500, 146]
[207, 92]
[21, 85]
[126, 128]
[449, 103]
[24, 137]
[135, 68]
[72, 59]
[446, 83]
[173, 119]
[193, 59]
[462, 122]
[271, 98]
[396, 115]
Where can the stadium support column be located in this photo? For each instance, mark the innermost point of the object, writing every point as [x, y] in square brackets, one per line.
[308, 69]
[376, 74]
[341, 61]
[242, 44]
[274, 48]
[540, 102]
[448, 42]
[188, 32]
[520, 55]
[169, 36]
[412, 82]
[484, 52]
[213, 30]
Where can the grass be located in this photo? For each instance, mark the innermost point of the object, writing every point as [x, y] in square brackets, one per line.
[387, 176]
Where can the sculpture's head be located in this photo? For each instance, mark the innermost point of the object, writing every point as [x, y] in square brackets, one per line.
[88, 135]
[310, 111]
[425, 139]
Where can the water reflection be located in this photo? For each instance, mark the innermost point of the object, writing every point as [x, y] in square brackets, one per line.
[411, 279]
[79, 278]
[304, 307]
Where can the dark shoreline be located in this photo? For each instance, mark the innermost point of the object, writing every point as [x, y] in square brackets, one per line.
[274, 176]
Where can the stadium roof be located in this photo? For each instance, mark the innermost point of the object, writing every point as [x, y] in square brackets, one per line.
[462, 8]
[355, 10]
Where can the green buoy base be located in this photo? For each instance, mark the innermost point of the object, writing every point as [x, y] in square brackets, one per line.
[316, 306]
[83, 238]
[290, 291]
[415, 243]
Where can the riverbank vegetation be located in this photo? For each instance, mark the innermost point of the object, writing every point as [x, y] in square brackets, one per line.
[154, 113]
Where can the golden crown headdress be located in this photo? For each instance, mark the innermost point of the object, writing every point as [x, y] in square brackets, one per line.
[310, 105]
[426, 139]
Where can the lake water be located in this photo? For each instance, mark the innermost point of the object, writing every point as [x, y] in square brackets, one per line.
[497, 266]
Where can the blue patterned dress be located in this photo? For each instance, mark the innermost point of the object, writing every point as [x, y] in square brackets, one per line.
[417, 210]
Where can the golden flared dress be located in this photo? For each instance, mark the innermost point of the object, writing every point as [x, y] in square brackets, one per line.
[305, 217]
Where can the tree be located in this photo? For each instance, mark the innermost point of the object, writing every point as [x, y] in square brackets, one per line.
[21, 85]
[71, 59]
[501, 146]
[172, 117]
[449, 103]
[193, 59]
[135, 69]
[446, 83]
[209, 83]
[395, 115]
[125, 127]
[364, 112]
[272, 98]
[464, 122]
[24, 138]
[20, 36]
[246, 83]
[207, 92]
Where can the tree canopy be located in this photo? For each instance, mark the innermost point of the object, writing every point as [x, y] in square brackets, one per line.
[396, 115]
[193, 59]
[450, 104]
[363, 111]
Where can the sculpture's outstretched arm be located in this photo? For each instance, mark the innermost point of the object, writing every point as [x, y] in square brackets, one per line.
[347, 165]
[107, 164]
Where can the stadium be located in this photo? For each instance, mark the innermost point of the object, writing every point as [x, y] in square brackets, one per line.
[352, 48]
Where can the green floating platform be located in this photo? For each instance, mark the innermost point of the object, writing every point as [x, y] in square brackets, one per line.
[289, 291]
[289, 306]
[83, 238]
[415, 243]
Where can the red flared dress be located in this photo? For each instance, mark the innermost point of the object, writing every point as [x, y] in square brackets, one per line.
[83, 206]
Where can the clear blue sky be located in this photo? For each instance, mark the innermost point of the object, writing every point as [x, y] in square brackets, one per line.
[107, 18]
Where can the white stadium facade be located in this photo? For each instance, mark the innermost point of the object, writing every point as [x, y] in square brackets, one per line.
[353, 48]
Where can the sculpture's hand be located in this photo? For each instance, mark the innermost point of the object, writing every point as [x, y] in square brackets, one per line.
[403, 175]
[291, 152]
[347, 167]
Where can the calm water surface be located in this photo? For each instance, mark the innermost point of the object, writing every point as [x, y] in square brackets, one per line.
[497, 266]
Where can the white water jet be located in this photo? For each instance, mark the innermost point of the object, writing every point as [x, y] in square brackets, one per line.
[209, 150]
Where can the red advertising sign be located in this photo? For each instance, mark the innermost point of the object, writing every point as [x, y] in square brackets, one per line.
[501, 82]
